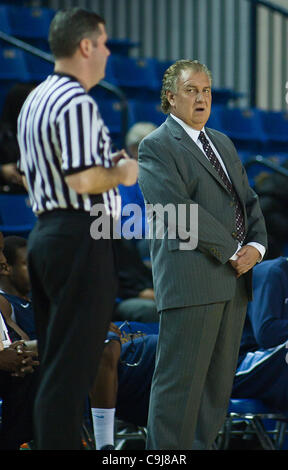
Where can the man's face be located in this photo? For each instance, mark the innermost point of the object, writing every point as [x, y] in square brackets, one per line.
[192, 102]
[100, 53]
[19, 274]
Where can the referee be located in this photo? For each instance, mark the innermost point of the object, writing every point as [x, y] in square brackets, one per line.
[67, 167]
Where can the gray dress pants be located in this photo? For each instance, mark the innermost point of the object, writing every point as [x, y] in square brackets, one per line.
[195, 364]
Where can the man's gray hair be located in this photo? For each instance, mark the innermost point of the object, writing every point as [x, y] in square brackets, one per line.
[171, 75]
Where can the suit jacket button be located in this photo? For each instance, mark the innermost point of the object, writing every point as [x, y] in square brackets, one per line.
[234, 234]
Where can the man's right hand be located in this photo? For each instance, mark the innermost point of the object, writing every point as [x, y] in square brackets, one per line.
[128, 171]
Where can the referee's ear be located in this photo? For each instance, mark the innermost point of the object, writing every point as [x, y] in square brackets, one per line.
[85, 46]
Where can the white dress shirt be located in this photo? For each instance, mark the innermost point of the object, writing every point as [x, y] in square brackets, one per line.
[194, 134]
[4, 337]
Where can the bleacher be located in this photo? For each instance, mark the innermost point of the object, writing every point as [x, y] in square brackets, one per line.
[253, 131]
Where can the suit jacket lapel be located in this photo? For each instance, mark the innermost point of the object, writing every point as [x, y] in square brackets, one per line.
[181, 135]
[229, 164]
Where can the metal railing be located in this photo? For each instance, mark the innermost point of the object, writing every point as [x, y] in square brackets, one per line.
[274, 48]
[260, 160]
[116, 91]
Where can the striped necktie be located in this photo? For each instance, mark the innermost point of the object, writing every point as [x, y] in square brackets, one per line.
[240, 226]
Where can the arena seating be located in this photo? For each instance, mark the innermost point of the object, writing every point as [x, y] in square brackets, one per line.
[253, 131]
[250, 419]
[16, 215]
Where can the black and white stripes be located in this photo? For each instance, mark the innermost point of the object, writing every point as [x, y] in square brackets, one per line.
[60, 131]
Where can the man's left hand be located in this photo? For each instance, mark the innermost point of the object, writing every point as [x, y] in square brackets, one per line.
[119, 155]
[248, 256]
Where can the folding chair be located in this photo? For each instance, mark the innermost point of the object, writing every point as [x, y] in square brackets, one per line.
[13, 65]
[16, 215]
[259, 420]
[129, 436]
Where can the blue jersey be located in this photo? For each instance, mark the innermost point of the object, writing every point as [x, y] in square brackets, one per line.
[134, 382]
[262, 371]
[22, 314]
[266, 324]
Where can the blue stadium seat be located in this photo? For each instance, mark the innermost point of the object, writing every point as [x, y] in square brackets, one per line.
[121, 46]
[255, 170]
[215, 119]
[161, 67]
[138, 74]
[13, 64]
[29, 22]
[244, 156]
[267, 424]
[275, 126]
[16, 215]
[111, 112]
[224, 95]
[148, 111]
[243, 126]
[37, 68]
[109, 71]
[4, 19]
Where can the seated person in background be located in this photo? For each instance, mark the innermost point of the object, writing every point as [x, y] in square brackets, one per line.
[262, 370]
[10, 179]
[115, 381]
[136, 300]
[15, 303]
[133, 194]
[17, 389]
[123, 382]
[273, 197]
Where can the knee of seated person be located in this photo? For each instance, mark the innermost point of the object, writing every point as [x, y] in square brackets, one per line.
[111, 354]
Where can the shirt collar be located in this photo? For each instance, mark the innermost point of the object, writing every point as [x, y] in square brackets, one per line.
[193, 133]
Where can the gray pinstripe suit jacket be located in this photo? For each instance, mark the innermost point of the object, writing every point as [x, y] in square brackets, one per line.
[173, 170]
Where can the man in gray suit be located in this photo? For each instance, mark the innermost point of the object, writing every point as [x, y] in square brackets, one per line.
[201, 293]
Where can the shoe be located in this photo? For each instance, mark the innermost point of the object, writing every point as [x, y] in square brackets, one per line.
[108, 447]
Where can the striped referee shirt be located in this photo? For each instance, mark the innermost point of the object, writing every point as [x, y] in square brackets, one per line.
[60, 132]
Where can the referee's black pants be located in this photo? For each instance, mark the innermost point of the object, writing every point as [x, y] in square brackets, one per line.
[74, 282]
